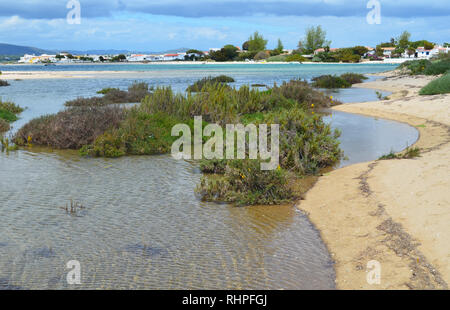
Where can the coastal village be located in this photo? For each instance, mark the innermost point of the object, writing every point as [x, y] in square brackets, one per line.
[388, 55]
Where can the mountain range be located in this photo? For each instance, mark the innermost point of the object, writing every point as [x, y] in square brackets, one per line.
[17, 50]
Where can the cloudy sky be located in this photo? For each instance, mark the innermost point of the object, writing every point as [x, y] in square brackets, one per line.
[167, 24]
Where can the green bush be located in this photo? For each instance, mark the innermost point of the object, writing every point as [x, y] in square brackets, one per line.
[244, 183]
[438, 86]
[135, 93]
[8, 116]
[354, 78]
[438, 67]
[295, 57]
[278, 58]
[140, 134]
[415, 67]
[10, 107]
[200, 84]
[4, 126]
[71, 128]
[307, 144]
[330, 81]
[4, 83]
[303, 94]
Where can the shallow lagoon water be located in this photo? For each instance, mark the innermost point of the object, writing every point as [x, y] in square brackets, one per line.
[143, 226]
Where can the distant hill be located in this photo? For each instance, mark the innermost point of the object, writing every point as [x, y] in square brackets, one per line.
[17, 50]
[116, 52]
[9, 49]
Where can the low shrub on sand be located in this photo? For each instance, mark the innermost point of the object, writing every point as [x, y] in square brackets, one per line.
[438, 86]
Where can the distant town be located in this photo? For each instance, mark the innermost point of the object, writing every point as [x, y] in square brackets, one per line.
[314, 48]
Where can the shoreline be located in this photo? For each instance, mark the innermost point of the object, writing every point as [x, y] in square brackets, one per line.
[393, 211]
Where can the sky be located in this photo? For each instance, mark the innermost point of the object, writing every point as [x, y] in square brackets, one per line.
[158, 25]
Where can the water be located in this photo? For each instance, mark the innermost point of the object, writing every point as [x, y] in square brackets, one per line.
[143, 226]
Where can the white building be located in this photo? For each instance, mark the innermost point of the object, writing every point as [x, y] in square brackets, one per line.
[33, 59]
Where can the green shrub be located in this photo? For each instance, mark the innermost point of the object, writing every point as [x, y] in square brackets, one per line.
[307, 144]
[11, 107]
[415, 67]
[200, 84]
[8, 116]
[438, 67]
[4, 83]
[244, 183]
[135, 93]
[105, 90]
[303, 94]
[278, 58]
[4, 126]
[438, 86]
[71, 128]
[261, 55]
[295, 57]
[330, 81]
[354, 78]
[140, 134]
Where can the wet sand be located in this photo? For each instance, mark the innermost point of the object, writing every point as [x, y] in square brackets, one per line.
[395, 211]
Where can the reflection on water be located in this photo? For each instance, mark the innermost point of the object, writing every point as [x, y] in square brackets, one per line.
[143, 227]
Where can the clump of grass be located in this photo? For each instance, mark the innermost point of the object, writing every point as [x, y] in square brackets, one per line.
[135, 93]
[8, 116]
[200, 84]
[4, 83]
[244, 183]
[303, 94]
[139, 134]
[380, 96]
[11, 107]
[427, 67]
[106, 90]
[354, 78]
[6, 146]
[330, 81]
[73, 208]
[4, 126]
[71, 128]
[438, 86]
[409, 153]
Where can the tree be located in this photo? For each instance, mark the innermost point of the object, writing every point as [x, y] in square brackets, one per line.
[411, 51]
[256, 42]
[101, 58]
[403, 40]
[280, 46]
[245, 46]
[226, 53]
[360, 50]
[315, 38]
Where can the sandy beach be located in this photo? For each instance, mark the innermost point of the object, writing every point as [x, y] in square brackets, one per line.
[394, 211]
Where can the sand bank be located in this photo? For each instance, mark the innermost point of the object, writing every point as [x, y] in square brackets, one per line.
[396, 211]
